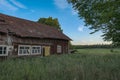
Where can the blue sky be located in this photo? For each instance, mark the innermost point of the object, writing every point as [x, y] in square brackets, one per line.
[71, 24]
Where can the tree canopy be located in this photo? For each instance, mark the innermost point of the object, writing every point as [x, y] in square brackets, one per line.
[53, 22]
[101, 15]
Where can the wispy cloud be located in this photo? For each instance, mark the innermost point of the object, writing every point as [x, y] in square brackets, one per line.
[5, 5]
[18, 4]
[61, 4]
[74, 12]
[11, 5]
[80, 28]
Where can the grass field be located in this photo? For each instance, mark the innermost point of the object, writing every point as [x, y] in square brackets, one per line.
[99, 51]
[86, 64]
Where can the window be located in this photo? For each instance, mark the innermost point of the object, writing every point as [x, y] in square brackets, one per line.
[29, 50]
[59, 49]
[3, 50]
[36, 50]
[24, 50]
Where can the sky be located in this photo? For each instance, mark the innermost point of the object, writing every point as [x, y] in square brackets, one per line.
[68, 18]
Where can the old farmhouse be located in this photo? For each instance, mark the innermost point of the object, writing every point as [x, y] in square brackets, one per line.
[20, 37]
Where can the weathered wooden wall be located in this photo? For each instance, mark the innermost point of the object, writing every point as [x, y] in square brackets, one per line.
[2, 39]
[37, 41]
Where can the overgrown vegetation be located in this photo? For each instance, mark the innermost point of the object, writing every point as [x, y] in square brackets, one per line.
[84, 65]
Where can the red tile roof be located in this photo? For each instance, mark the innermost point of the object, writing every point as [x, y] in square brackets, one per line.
[26, 28]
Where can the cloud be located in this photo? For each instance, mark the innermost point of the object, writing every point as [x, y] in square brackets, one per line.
[18, 4]
[61, 4]
[5, 5]
[74, 12]
[80, 28]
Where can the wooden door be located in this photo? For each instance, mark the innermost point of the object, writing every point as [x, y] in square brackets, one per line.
[47, 50]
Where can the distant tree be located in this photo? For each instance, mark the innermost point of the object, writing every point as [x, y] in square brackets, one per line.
[53, 22]
[101, 15]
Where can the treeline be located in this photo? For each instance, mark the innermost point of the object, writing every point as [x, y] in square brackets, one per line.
[93, 46]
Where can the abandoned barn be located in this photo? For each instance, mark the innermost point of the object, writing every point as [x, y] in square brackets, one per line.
[20, 37]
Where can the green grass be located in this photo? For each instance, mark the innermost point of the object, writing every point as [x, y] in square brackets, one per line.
[98, 51]
[84, 65]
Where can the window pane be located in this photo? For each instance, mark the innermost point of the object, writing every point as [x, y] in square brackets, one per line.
[32, 51]
[0, 52]
[0, 48]
[4, 48]
[33, 47]
[26, 47]
[35, 51]
[20, 52]
[38, 51]
[38, 47]
[24, 52]
[21, 47]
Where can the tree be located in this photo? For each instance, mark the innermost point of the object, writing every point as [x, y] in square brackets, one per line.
[51, 22]
[101, 15]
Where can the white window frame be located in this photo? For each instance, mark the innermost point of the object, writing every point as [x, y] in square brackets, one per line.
[24, 47]
[59, 49]
[36, 50]
[6, 54]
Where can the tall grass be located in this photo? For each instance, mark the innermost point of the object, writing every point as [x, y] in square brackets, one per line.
[78, 66]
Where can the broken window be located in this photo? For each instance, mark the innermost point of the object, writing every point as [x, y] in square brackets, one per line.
[24, 50]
